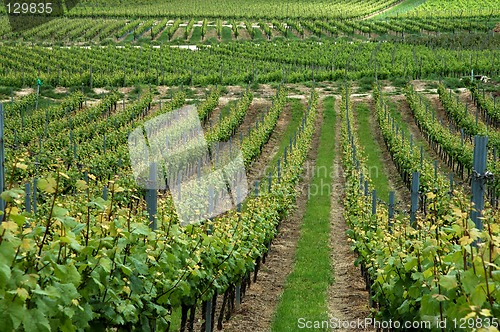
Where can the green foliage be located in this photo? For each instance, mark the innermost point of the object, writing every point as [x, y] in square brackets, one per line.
[232, 63]
[253, 144]
[225, 128]
[460, 115]
[432, 271]
[229, 9]
[486, 103]
[88, 263]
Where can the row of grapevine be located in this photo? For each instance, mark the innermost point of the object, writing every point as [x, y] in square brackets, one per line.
[158, 28]
[87, 29]
[459, 114]
[189, 29]
[128, 28]
[211, 102]
[121, 275]
[142, 28]
[489, 107]
[405, 156]
[452, 148]
[231, 9]
[38, 118]
[170, 30]
[294, 61]
[430, 271]
[228, 125]
[264, 129]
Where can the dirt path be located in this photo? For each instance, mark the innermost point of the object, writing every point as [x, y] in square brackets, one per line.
[347, 296]
[215, 115]
[438, 107]
[242, 319]
[255, 112]
[258, 306]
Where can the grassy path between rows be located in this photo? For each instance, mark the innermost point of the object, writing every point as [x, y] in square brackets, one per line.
[297, 110]
[305, 294]
[373, 151]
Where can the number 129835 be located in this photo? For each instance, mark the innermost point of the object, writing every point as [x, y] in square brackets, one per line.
[29, 8]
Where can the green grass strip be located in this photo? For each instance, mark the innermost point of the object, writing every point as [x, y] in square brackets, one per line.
[227, 34]
[297, 109]
[373, 152]
[195, 36]
[306, 289]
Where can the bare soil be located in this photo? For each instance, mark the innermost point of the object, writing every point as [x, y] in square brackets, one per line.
[100, 91]
[126, 91]
[388, 89]
[243, 34]
[93, 102]
[255, 111]
[163, 89]
[24, 92]
[61, 90]
[211, 32]
[419, 86]
[179, 33]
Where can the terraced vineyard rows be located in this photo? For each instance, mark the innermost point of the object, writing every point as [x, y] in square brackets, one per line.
[158, 31]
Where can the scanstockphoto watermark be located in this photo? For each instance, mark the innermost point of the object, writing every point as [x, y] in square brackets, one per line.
[323, 186]
[361, 324]
[312, 170]
[170, 152]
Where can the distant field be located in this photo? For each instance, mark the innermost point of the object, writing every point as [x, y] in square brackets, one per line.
[232, 8]
[401, 8]
[464, 7]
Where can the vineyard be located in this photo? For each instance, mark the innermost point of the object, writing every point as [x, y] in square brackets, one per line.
[251, 166]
